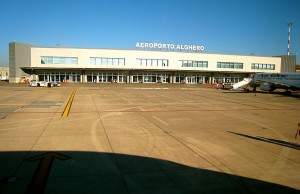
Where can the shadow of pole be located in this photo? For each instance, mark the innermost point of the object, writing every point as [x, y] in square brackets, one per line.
[273, 141]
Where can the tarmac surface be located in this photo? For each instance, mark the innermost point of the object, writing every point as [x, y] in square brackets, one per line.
[147, 138]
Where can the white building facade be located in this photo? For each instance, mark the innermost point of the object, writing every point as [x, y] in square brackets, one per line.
[132, 66]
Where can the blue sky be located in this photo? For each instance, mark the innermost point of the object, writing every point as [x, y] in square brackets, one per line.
[256, 27]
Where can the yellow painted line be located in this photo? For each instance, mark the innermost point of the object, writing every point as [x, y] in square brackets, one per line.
[69, 104]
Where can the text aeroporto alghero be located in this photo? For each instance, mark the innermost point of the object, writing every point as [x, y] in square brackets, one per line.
[155, 45]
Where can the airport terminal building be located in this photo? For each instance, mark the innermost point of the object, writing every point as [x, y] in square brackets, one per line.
[185, 64]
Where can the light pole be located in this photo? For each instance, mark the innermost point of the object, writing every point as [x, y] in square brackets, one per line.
[289, 37]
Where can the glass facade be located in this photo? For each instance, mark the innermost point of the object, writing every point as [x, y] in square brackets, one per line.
[192, 78]
[152, 62]
[186, 63]
[228, 78]
[230, 65]
[106, 77]
[139, 77]
[107, 61]
[59, 60]
[263, 66]
[150, 78]
[60, 76]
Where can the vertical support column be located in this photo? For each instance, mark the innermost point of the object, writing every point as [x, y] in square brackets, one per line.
[83, 76]
[210, 78]
[33, 74]
[174, 78]
[130, 78]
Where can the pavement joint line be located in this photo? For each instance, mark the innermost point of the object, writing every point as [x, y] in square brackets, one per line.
[110, 145]
[158, 119]
[176, 138]
[182, 142]
[69, 104]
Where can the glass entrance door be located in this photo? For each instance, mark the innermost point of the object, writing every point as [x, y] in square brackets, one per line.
[191, 80]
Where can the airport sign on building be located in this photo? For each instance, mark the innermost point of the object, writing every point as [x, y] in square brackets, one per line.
[163, 46]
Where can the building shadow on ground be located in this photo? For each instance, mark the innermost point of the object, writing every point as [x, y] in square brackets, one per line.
[93, 172]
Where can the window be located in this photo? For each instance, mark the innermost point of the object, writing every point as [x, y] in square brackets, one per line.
[230, 65]
[144, 62]
[103, 61]
[69, 61]
[152, 62]
[159, 62]
[122, 62]
[115, 61]
[184, 63]
[44, 60]
[138, 62]
[59, 60]
[98, 61]
[109, 61]
[165, 63]
[194, 64]
[56, 60]
[106, 61]
[149, 62]
[93, 61]
[203, 64]
[263, 66]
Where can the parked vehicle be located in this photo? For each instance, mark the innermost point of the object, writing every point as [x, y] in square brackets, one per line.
[3, 78]
[35, 83]
[55, 84]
